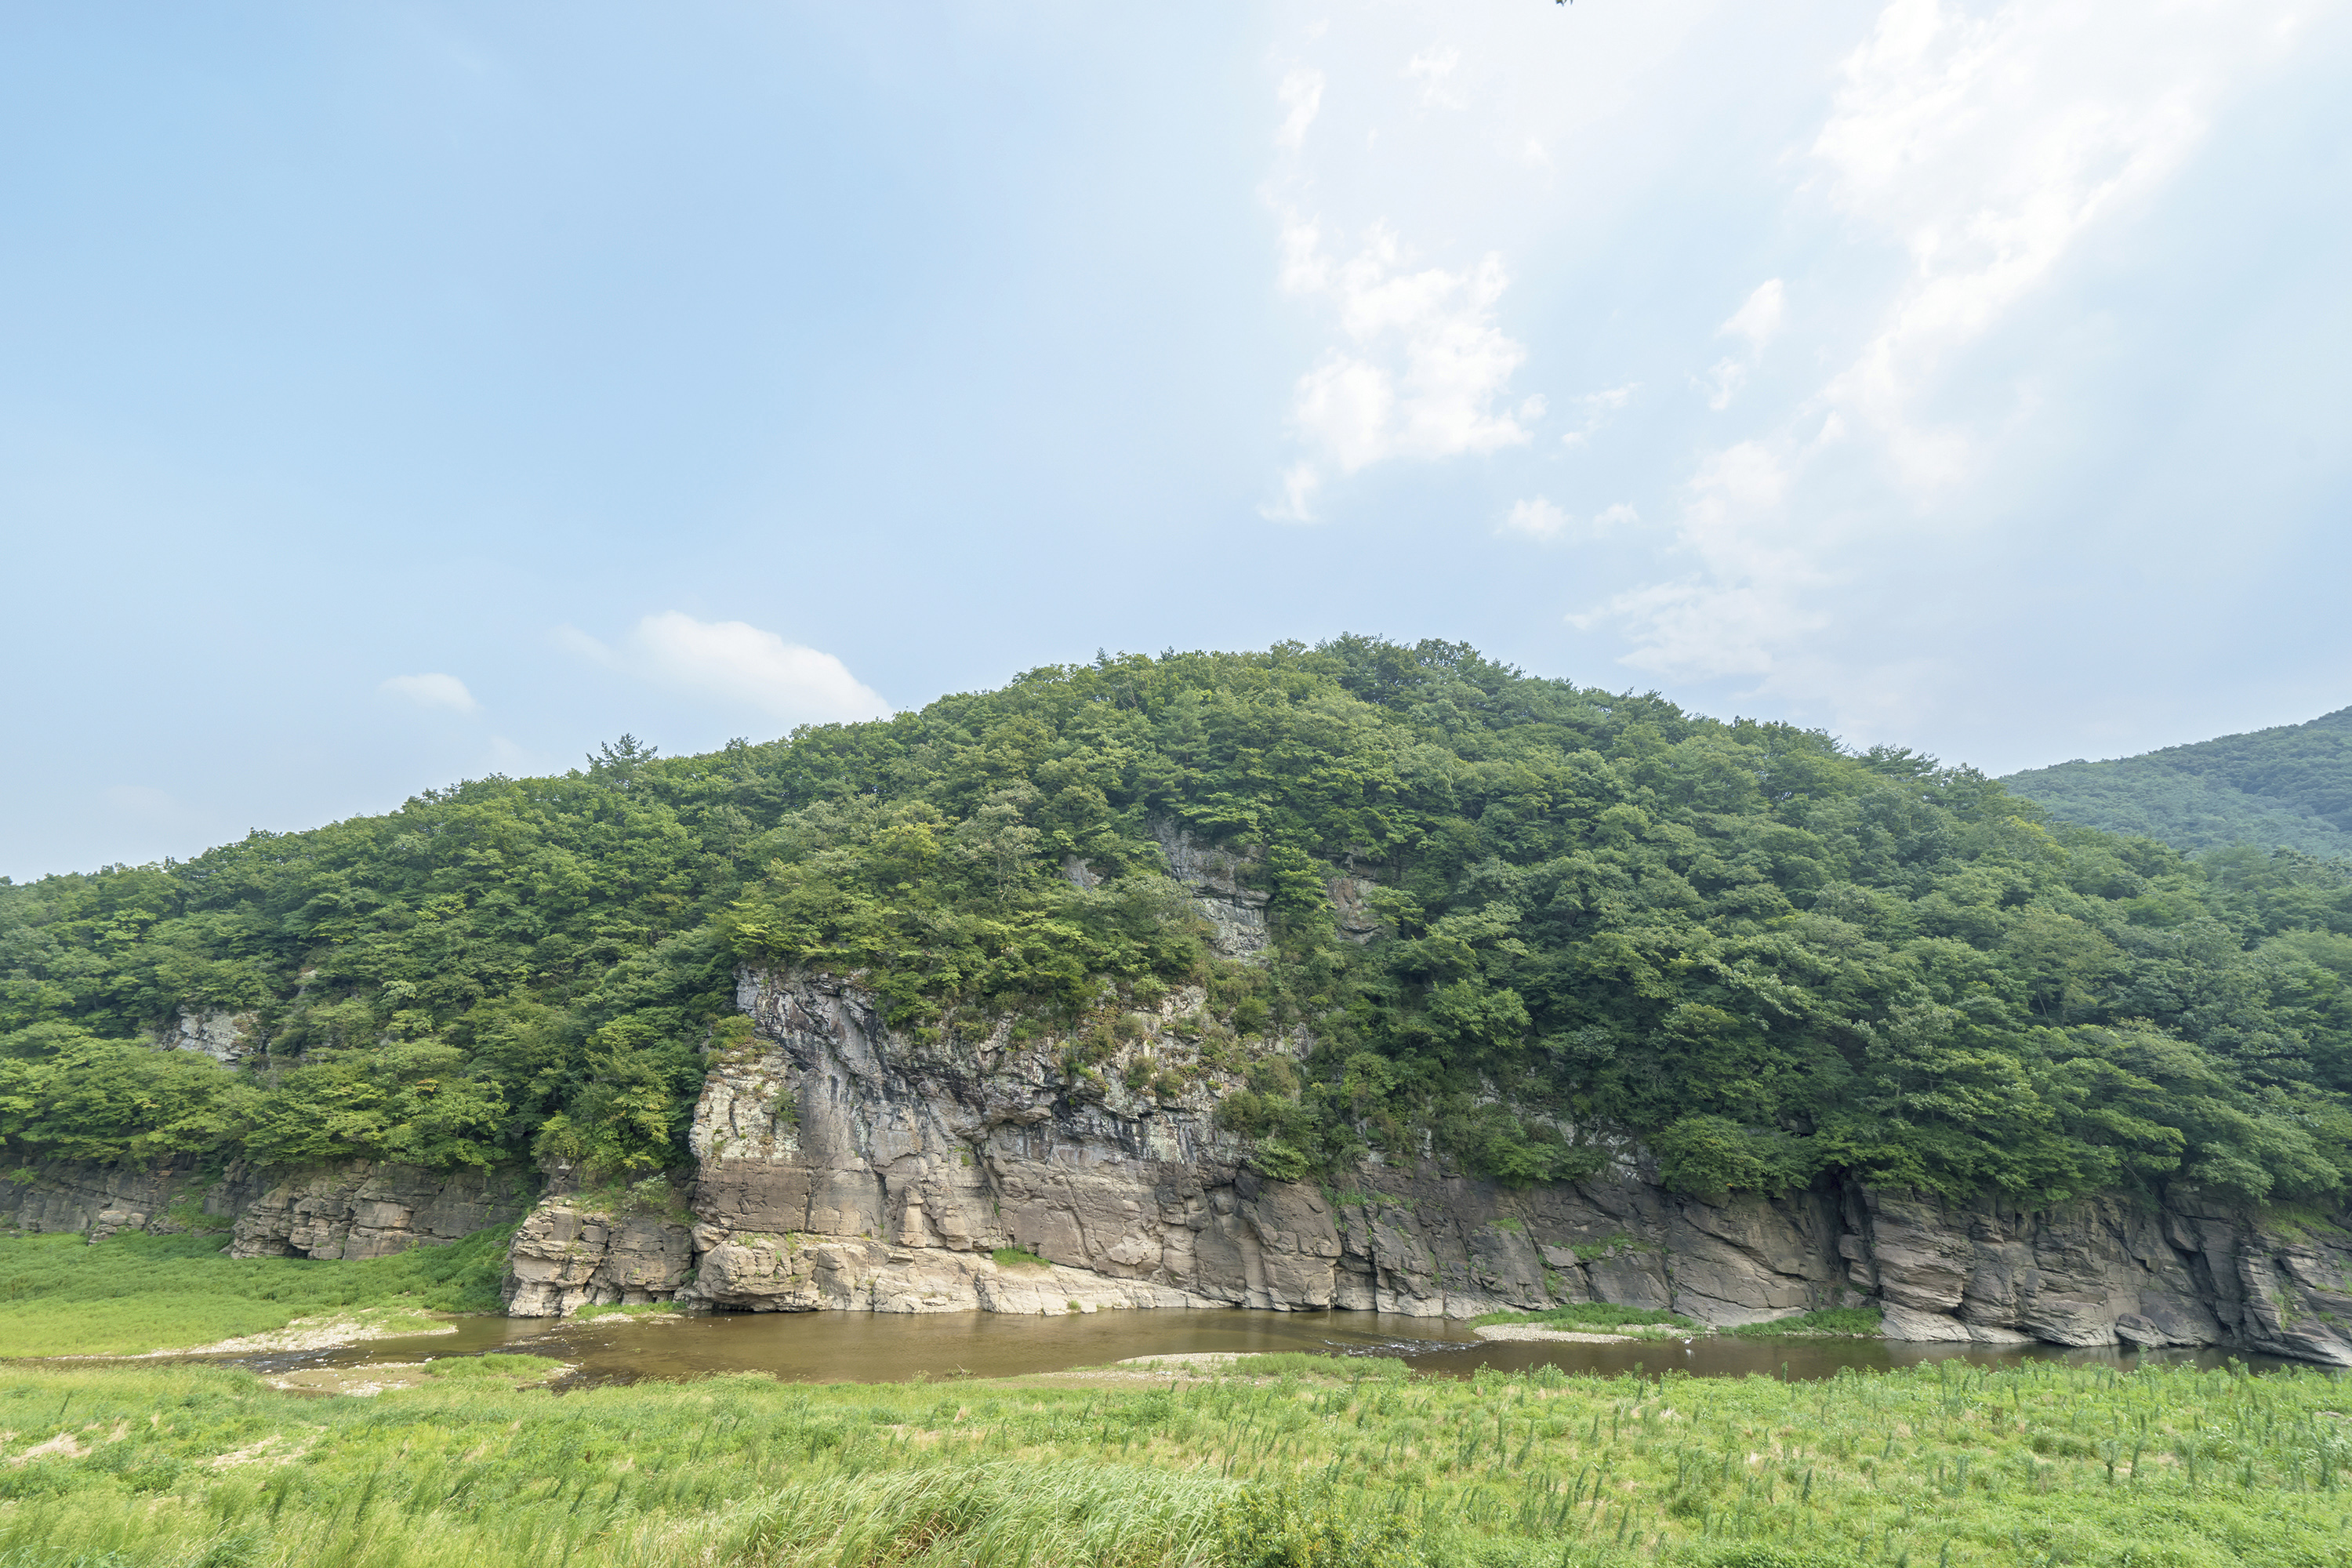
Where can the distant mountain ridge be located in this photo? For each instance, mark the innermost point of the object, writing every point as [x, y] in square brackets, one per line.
[2289, 788]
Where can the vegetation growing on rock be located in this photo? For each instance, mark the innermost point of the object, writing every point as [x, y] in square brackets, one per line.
[1599, 917]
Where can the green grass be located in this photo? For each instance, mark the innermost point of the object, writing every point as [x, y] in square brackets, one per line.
[1598, 1317]
[132, 1294]
[1302, 1363]
[514, 1369]
[1018, 1257]
[644, 1309]
[1332, 1463]
[1830, 1322]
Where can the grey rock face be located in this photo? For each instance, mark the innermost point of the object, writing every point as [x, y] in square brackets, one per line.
[367, 1209]
[363, 1209]
[2103, 1272]
[227, 1037]
[578, 1250]
[843, 1166]
[839, 1164]
[1213, 873]
[82, 1195]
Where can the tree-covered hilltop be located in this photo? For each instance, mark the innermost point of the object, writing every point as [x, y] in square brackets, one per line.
[1770, 958]
[2283, 788]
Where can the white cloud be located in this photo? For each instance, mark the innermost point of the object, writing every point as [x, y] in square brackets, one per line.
[1421, 369]
[432, 692]
[1536, 518]
[1599, 408]
[1301, 96]
[1758, 318]
[1759, 322]
[736, 665]
[1986, 146]
[1980, 148]
[1431, 67]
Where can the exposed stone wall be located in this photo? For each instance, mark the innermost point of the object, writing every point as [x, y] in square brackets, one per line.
[101, 1199]
[358, 1209]
[227, 1037]
[580, 1250]
[840, 1166]
[367, 1209]
[2102, 1272]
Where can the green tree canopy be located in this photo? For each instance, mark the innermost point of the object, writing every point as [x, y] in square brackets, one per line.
[1763, 956]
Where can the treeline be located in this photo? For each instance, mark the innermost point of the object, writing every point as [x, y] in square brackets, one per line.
[2287, 788]
[1767, 958]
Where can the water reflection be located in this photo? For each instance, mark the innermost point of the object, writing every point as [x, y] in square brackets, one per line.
[875, 1347]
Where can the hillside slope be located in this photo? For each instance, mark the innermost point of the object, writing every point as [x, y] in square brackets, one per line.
[1506, 919]
[2285, 788]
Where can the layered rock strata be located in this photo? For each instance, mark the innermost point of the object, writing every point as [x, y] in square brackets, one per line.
[588, 1250]
[839, 1164]
[367, 1209]
[359, 1209]
[842, 1166]
[101, 1199]
[2103, 1272]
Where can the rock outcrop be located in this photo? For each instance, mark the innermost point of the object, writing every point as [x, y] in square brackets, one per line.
[101, 1199]
[2103, 1272]
[840, 1164]
[1217, 878]
[367, 1209]
[598, 1249]
[843, 1165]
[358, 1209]
[227, 1037]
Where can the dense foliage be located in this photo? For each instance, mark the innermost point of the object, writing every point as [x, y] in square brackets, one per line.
[2288, 788]
[1767, 957]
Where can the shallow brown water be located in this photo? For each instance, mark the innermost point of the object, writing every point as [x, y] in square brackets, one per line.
[877, 1347]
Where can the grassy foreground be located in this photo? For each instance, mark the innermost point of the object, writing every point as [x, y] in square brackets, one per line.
[1293, 1461]
[132, 1294]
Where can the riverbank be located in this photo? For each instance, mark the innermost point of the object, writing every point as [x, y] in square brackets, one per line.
[1601, 1323]
[147, 1466]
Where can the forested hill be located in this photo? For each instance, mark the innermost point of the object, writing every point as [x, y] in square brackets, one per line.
[2287, 788]
[1772, 959]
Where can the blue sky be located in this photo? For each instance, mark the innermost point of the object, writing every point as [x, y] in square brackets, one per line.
[391, 394]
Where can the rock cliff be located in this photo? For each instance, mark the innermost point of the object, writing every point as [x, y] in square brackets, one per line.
[83, 1196]
[842, 1166]
[367, 1209]
[359, 1209]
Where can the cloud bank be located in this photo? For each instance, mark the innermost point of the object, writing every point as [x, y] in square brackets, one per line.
[738, 666]
[432, 692]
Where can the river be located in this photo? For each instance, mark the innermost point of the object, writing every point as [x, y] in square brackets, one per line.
[879, 1347]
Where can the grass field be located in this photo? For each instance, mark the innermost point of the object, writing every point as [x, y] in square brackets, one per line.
[1290, 1462]
[133, 1294]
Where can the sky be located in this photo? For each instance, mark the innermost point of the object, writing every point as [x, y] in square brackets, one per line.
[392, 394]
